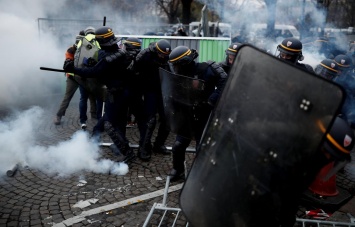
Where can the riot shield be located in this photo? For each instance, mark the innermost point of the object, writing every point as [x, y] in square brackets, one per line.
[260, 143]
[183, 98]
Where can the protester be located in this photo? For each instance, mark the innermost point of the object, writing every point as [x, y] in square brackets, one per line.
[71, 85]
[96, 104]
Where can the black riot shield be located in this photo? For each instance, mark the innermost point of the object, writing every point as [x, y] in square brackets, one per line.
[183, 98]
[260, 145]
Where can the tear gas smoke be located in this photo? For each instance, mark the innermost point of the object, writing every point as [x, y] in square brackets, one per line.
[19, 146]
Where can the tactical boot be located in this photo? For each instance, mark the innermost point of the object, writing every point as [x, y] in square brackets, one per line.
[96, 136]
[176, 175]
[145, 152]
[125, 154]
[130, 156]
[178, 171]
[161, 149]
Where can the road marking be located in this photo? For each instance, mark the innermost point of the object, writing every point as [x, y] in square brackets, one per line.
[127, 202]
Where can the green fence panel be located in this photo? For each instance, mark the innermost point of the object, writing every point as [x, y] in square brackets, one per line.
[208, 48]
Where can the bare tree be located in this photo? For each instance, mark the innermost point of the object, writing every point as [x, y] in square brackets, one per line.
[186, 11]
[170, 8]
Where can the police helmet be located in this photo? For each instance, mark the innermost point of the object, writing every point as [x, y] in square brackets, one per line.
[339, 141]
[163, 47]
[343, 61]
[105, 36]
[233, 49]
[132, 43]
[180, 57]
[89, 30]
[327, 68]
[291, 47]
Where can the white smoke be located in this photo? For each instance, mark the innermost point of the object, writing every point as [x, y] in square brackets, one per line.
[23, 52]
[24, 49]
[19, 146]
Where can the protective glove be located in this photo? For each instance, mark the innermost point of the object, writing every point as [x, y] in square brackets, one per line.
[90, 62]
[68, 65]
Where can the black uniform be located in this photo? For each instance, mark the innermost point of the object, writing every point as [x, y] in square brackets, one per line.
[214, 79]
[110, 69]
[147, 64]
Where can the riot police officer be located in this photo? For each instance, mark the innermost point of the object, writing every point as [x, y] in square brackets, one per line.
[290, 50]
[327, 68]
[182, 62]
[147, 64]
[344, 63]
[346, 79]
[231, 52]
[112, 61]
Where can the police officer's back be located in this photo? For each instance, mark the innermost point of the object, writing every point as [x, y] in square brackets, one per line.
[182, 62]
[147, 64]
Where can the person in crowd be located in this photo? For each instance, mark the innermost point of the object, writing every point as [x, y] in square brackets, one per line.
[85, 95]
[290, 50]
[147, 65]
[351, 54]
[112, 61]
[133, 46]
[182, 62]
[346, 79]
[71, 85]
[231, 52]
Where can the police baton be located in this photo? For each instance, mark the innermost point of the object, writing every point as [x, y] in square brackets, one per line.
[51, 69]
[104, 24]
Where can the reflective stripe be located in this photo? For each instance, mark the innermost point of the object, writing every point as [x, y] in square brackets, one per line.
[230, 49]
[335, 143]
[133, 43]
[106, 35]
[164, 52]
[327, 67]
[183, 55]
[290, 49]
[332, 140]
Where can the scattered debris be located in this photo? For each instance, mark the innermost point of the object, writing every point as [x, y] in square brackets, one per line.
[82, 183]
[85, 203]
[317, 214]
[11, 172]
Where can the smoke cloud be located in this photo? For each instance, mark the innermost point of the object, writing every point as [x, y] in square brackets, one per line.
[18, 139]
[26, 92]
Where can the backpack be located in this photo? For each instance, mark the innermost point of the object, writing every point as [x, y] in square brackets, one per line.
[86, 54]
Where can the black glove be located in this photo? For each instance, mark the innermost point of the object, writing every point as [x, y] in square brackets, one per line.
[68, 65]
[90, 62]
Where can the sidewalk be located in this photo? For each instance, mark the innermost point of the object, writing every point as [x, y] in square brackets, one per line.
[33, 198]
